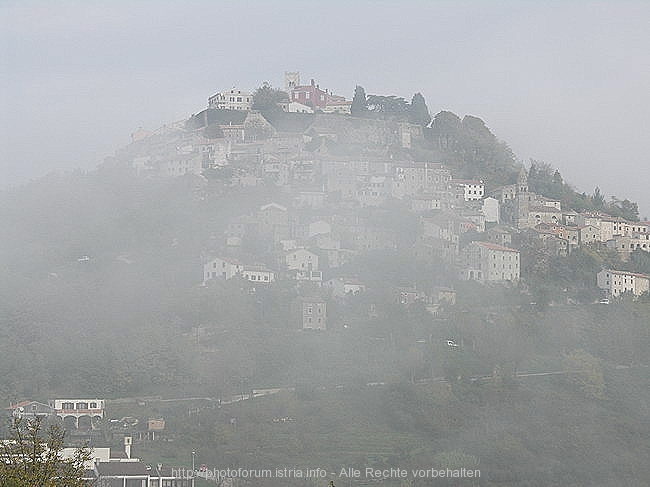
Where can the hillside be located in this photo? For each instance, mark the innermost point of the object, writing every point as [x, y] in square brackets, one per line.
[381, 386]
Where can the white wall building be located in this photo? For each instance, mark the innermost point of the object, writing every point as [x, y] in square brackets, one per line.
[469, 190]
[232, 99]
[620, 282]
[491, 210]
[227, 268]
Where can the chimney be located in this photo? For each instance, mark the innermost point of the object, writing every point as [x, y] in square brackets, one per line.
[127, 446]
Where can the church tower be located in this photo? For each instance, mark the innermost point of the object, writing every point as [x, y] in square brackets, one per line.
[291, 80]
[522, 181]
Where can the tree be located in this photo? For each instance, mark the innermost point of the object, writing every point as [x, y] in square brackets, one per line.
[388, 107]
[625, 209]
[359, 106]
[418, 111]
[266, 98]
[586, 372]
[598, 198]
[30, 460]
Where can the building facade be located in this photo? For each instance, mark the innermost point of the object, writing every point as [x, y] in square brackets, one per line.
[489, 262]
[617, 283]
[232, 99]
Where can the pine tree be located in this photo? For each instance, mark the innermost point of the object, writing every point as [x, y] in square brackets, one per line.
[418, 111]
[359, 106]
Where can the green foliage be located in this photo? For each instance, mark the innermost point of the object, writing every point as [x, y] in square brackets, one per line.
[359, 107]
[266, 98]
[545, 180]
[387, 107]
[624, 209]
[418, 112]
[30, 459]
[585, 371]
[470, 148]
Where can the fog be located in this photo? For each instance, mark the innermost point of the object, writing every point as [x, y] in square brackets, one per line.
[421, 277]
[562, 83]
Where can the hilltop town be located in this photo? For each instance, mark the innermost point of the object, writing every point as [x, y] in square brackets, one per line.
[347, 278]
[346, 171]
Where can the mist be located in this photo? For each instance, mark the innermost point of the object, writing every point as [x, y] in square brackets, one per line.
[338, 244]
[560, 83]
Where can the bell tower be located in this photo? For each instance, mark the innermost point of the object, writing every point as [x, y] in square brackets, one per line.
[291, 80]
[522, 181]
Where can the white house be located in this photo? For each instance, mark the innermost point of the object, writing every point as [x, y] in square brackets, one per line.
[468, 189]
[76, 409]
[491, 210]
[233, 99]
[619, 282]
[227, 268]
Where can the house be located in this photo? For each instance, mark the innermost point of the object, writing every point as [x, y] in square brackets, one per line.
[345, 286]
[31, 410]
[227, 268]
[273, 223]
[136, 473]
[569, 217]
[313, 96]
[625, 245]
[329, 247]
[490, 209]
[302, 264]
[543, 214]
[617, 283]
[337, 105]
[295, 107]
[468, 189]
[181, 164]
[415, 178]
[232, 99]
[489, 262]
[500, 235]
[79, 412]
[588, 234]
[373, 190]
[423, 203]
[309, 313]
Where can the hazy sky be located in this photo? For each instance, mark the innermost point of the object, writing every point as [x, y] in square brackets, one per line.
[563, 82]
